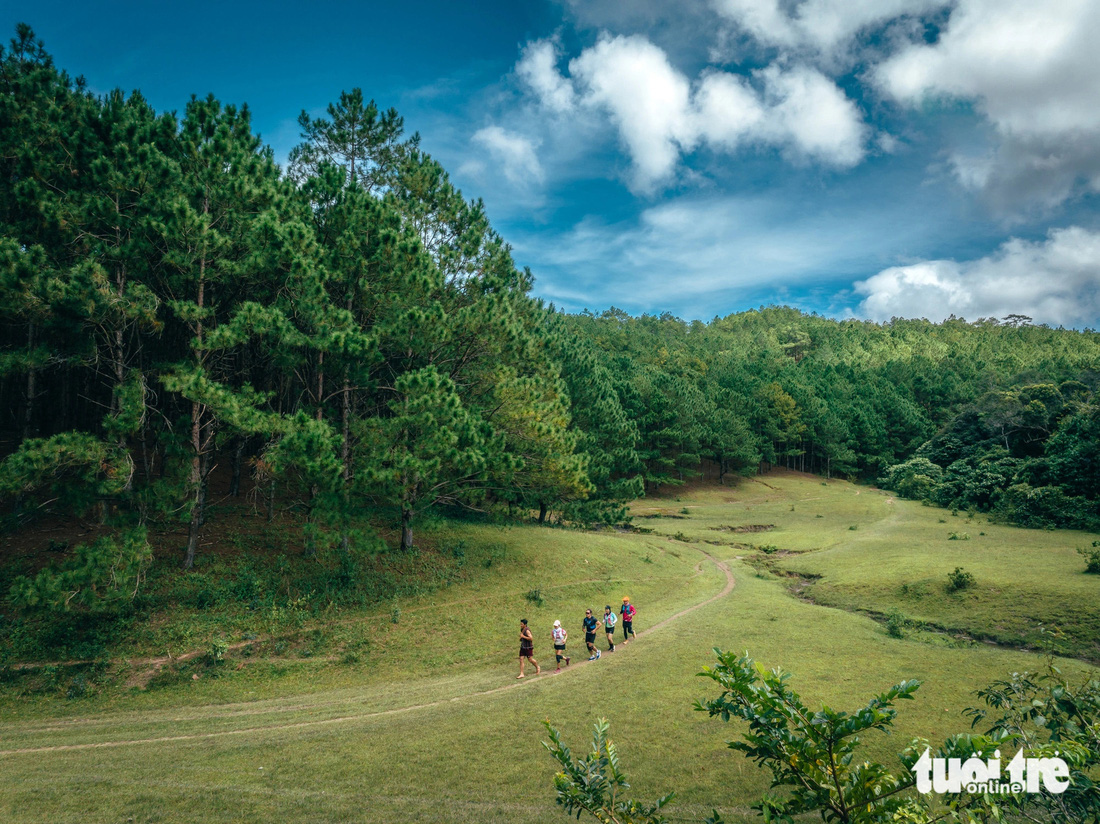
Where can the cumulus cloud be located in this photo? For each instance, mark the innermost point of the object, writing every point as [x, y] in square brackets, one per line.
[1055, 281]
[514, 153]
[811, 113]
[1033, 70]
[660, 114]
[537, 67]
[647, 99]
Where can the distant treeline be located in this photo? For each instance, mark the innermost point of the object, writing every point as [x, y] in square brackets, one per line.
[350, 333]
[994, 415]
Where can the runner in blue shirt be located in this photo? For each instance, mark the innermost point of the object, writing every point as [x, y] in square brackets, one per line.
[609, 620]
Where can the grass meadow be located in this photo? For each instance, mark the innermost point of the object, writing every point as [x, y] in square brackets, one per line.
[411, 711]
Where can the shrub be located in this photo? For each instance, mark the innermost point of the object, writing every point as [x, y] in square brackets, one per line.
[535, 597]
[818, 760]
[1092, 558]
[896, 623]
[959, 580]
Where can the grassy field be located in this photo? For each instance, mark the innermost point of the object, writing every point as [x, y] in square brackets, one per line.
[411, 712]
[863, 550]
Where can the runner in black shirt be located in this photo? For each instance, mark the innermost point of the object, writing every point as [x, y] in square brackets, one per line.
[590, 624]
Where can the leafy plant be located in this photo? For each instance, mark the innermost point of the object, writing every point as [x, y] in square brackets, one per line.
[1044, 712]
[815, 756]
[535, 597]
[595, 784]
[1092, 558]
[896, 623]
[812, 755]
[959, 580]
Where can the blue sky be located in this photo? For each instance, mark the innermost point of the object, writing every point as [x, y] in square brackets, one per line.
[911, 158]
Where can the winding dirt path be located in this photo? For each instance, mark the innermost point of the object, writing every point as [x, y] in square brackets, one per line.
[731, 582]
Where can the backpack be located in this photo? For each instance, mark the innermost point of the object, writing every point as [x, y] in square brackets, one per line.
[628, 613]
[609, 620]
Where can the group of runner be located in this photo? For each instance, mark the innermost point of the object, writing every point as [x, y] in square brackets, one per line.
[590, 624]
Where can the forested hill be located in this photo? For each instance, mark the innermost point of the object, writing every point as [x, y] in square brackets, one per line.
[349, 337]
[990, 415]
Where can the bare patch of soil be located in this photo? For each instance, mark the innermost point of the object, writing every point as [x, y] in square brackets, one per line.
[744, 528]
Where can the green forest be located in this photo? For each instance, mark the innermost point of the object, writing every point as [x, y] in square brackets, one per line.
[347, 342]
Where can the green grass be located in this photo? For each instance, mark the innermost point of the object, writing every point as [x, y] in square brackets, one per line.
[428, 723]
[863, 550]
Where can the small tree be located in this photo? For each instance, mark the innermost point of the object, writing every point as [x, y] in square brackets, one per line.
[595, 784]
[1045, 712]
[811, 754]
[814, 758]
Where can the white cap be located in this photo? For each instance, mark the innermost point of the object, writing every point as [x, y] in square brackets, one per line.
[557, 623]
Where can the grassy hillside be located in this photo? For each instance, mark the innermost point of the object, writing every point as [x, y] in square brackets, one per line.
[862, 549]
[361, 718]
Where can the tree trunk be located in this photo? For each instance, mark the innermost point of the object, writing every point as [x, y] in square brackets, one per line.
[542, 512]
[200, 468]
[406, 530]
[269, 501]
[32, 374]
[320, 385]
[238, 455]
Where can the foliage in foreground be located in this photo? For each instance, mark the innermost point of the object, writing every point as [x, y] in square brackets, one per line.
[595, 784]
[814, 756]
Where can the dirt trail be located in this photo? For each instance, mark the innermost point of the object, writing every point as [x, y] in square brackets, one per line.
[731, 582]
[154, 663]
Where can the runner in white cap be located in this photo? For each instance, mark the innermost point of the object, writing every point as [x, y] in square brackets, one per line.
[560, 635]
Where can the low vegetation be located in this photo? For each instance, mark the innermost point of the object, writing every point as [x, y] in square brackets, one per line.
[328, 700]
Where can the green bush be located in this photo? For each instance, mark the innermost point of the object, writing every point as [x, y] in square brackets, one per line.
[896, 623]
[818, 759]
[959, 580]
[218, 649]
[1092, 558]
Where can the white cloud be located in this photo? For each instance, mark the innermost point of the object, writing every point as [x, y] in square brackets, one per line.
[514, 152]
[824, 28]
[537, 67]
[1033, 69]
[646, 98]
[1055, 281]
[727, 110]
[702, 256]
[660, 114]
[814, 116]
